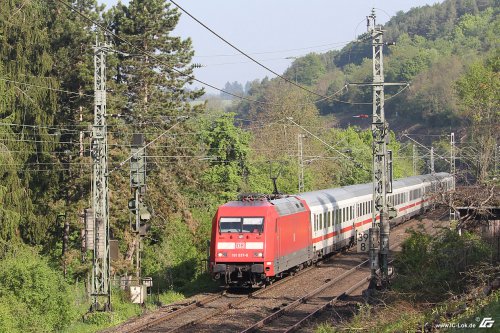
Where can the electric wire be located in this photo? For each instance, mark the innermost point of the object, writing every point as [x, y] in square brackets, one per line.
[153, 56]
[349, 158]
[270, 52]
[45, 87]
[245, 54]
[248, 62]
[191, 77]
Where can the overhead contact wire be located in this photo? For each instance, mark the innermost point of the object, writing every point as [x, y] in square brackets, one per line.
[245, 54]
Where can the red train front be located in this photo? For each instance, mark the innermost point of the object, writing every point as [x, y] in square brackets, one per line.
[249, 242]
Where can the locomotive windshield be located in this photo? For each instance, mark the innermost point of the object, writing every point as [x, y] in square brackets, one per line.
[241, 224]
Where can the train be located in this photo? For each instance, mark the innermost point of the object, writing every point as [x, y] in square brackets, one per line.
[256, 240]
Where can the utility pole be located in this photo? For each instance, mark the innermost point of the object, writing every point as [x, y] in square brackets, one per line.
[81, 133]
[101, 256]
[452, 172]
[301, 162]
[138, 185]
[432, 161]
[382, 176]
[414, 160]
[495, 166]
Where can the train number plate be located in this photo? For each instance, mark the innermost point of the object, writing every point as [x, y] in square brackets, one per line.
[240, 245]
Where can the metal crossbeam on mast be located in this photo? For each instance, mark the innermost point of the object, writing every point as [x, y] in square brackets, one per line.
[101, 258]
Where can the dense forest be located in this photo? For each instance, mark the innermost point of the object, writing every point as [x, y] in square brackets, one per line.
[203, 154]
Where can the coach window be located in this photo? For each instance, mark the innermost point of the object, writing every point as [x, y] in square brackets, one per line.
[315, 222]
[329, 218]
[352, 212]
[325, 219]
[320, 221]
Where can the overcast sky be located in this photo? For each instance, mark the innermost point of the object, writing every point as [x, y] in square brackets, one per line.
[272, 30]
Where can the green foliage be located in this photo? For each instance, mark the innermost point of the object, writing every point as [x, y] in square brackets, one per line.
[33, 297]
[478, 91]
[170, 296]
[306, 70]
[89, 322]
[227, 148]
[175, 260]
[153, 88]
[489, 307]
[429, 268]
[325, 328]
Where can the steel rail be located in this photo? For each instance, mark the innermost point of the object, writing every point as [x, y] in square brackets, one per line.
[208, 300]
[191, 306]
[313, 293]
[229, 306]
[328, 304]
[302, 299]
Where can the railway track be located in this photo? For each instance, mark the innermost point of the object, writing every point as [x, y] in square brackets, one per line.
[218, 303]
[298, 313]
[295, 314]
[208, 313]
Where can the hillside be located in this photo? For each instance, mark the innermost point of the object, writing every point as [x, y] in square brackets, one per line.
[434, 46]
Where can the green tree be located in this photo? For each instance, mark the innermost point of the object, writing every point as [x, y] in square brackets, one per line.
[153, 71]
[480, 105]
[306, 70]
[227, 150]
[27, 112]
[156, 68]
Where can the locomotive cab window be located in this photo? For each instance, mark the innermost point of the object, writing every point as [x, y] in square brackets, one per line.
[241, 224]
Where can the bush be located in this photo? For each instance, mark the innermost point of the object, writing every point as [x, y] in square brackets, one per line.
[428, 268]
[33, 296]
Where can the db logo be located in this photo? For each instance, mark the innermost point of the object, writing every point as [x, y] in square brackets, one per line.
[240, 245]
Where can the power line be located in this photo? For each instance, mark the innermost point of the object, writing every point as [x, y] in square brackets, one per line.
[191, 77]
[245, 54]
[349, 158]
[247, 62]
[153, 56]
[271, 52]
[45, 87]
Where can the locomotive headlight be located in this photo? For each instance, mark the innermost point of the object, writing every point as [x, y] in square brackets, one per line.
[258, 254]
[222, 254]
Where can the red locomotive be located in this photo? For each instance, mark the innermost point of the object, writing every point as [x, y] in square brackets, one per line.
[255, 240]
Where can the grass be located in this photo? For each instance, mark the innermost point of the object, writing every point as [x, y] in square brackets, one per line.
[93, 322]
[123, 310]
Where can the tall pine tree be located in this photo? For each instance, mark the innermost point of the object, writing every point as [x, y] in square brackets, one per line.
[27, 111]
